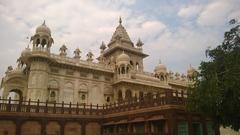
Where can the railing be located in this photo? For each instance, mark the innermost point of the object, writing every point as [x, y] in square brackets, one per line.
[81, 62]
[167, 98]
[160, 99]
[9, 105]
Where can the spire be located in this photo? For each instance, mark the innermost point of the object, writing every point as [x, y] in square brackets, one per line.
[120, 20]
[103, 46]
[120, 33]
[139, 43]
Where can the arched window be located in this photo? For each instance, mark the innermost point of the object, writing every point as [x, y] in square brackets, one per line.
[83, 97]
[141, 95]
[108, 99]
[137, 66]
[52, 96]
[123, 70]
[44, 42]
[131, 63]
[38, 42]
[119, 71]
[162, 78]
[128, 94]
[120, 95]
[82, 93]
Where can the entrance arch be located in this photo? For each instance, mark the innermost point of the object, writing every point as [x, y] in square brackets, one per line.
[15, 94]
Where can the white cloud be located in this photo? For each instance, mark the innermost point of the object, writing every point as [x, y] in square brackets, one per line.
[189, 11]
[85, 23]
[181, 47]
[218, 11]
[147, 30]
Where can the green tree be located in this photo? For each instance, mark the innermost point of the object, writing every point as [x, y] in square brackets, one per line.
[216, 92]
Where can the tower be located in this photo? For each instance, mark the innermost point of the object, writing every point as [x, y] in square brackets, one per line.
[120, 42]
[42, 40]
[39, 64]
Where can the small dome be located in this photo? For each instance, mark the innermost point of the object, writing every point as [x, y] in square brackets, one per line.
[123, 58]
[43, 29]
[26, 52]
[160, 68]
[191, 70]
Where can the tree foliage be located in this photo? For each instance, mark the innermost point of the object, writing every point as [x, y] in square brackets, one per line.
[216, 92]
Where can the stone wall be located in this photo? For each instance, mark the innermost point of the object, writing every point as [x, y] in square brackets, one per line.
[31, 128]
[8, 127]
[93, 129]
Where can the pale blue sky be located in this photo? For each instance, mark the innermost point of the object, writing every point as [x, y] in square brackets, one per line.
[175, 31]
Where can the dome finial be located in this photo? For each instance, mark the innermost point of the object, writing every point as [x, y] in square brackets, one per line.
[159, 61]
[120, 20]
[44, 23]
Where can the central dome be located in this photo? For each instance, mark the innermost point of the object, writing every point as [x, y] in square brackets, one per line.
[43, 29]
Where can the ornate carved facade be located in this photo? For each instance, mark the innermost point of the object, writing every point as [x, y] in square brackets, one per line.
[119, 73]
